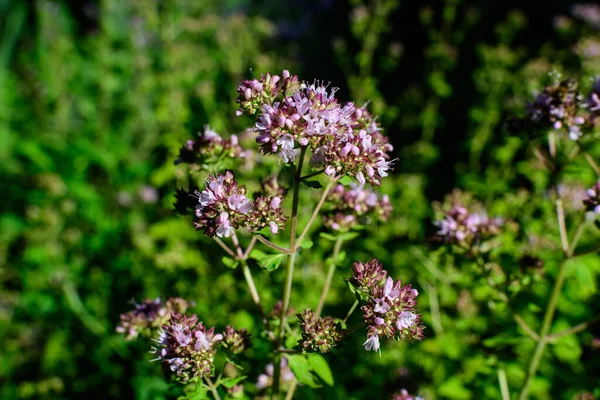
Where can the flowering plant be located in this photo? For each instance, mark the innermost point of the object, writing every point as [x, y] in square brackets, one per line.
[321, 144]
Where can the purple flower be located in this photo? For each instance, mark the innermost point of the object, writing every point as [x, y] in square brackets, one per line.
[224, 207]
[187, 348]
[463, 227]
[209, 147]
[148, 315]
[404, 395]
[355, 206]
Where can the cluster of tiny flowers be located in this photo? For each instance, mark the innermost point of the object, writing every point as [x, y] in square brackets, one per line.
[459, 226]
[592, 202]
[404, 395]
[236, 341]
[319, 334]
[390, 312]
[390, 307]
[209, 145]
[253, 94]
[223, 207]
[187, 348]
[562, 107]
[149, 314]
[353, 206]
[589, 13]
[344, 139]
[557, 107]
[366, 276]
[265, 380]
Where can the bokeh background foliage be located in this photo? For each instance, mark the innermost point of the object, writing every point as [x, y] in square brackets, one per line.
[97, 96]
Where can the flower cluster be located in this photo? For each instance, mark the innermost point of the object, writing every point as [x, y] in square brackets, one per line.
[265, 380]
[209, 146]
[561, 107]
[404, 395]
[149, 314]
[354, 206]
[236, 341]
[344, 139]
[390, 307]
[319, 334]
[366, 276]
[459, 226]
[254, 94]
[187, 348]
[557, 106]
[390, 312]
[589, 13]
[223, 207]
[592, 202]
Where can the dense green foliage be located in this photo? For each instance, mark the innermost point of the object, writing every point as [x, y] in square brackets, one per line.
[90, 123]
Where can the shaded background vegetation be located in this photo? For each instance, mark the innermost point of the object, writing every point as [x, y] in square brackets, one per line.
[97, 97]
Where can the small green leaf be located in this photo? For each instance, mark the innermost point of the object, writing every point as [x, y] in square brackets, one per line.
[346, 180]
[231, 382]
[313, 184]
[328, 236]
[271, 262]
[306, 244]
[321, 368]
[301, 369]
[230, 262]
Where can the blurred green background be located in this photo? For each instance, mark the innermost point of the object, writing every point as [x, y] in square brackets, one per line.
[96, 97]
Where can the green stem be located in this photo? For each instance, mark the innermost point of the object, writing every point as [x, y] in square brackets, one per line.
[315, 211]
[541, 345]
[329, 278]
[290, 393]
[212, 388]
[272, 245]
[503, 384]
[352, 308]
[289, 275]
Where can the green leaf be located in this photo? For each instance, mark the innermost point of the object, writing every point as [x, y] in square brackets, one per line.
[231, 382]
[328, 236]
[197, 393]
[312, 184]
[306, 244]
[346, 180]
[301, 369]
[230, 262]
[321, 368]
[271, 262]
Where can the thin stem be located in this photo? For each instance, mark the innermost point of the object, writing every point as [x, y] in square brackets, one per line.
[592, 163]
[435, 310]
[289, 274]
[316, 210]
[578, 232]
[560, 212]
[272, 245]
[574, 329]
[213, 389]
[250, 247]
[319, 172]
[225, 247]
[503, 384]
[541, 345]
[352, 308]
[329, 278]
[256, 297]
[290, 393]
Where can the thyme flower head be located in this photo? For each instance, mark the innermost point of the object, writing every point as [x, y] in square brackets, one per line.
[187, 348]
